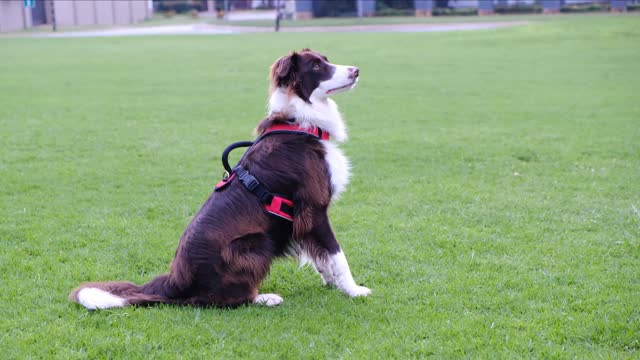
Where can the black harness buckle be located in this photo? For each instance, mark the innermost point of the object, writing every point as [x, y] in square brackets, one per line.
[273, 204]
[249, 181]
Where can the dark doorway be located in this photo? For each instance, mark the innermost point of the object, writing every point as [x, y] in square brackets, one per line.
[335, 8]
[39, 14]
[240, 4]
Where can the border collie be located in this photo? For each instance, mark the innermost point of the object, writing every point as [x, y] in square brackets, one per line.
[227, 249]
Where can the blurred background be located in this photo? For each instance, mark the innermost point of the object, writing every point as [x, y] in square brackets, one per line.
[494, 207]
[16, 15]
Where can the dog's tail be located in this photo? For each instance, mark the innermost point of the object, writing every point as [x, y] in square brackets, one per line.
[114, 294]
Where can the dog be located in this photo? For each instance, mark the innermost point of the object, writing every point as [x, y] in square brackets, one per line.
[227, 249]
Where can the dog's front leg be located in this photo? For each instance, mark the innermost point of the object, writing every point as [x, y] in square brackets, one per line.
[330, 261]
[335, 271]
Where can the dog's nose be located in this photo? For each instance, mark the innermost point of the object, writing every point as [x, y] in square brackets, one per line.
[354, 72]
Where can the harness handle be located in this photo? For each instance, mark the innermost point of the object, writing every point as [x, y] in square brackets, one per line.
[225, 153]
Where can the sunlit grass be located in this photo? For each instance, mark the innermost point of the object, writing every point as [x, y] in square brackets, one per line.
[494, 207]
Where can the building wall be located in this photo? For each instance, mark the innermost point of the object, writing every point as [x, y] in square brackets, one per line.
[140, 10]
[65, 12]
[14, 17]
[104, 13]
[11, 16]
[121, 12]
[85, 13]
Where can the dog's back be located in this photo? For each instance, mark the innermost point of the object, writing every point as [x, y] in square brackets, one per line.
[228, 247]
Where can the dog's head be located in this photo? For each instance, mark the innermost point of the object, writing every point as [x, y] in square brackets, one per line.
[309, 75]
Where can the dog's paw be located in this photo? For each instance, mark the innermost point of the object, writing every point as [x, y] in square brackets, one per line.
[328, 281]
[268, 299]
[358, 291]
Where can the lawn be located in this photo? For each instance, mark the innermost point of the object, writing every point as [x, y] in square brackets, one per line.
[494, 208]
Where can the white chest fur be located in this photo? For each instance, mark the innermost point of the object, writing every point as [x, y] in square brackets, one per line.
[323, 113]
[339, 168]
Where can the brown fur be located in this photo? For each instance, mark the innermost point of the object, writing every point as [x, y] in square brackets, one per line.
[227, 249]
[287, 72]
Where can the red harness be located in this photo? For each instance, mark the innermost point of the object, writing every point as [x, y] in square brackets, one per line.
[287, 128]
[273, 204]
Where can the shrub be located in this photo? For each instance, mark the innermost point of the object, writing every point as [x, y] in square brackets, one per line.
[394, 12]
[578, 8]
[177, 6]
[633, 7]
[454, 12]
[518, 8]
[265, 7]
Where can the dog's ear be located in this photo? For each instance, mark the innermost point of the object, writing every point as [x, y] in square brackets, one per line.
[283, 70]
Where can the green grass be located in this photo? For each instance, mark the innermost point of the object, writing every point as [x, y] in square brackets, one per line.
[494, 208]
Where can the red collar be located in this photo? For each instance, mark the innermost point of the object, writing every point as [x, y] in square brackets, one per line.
[314, 131]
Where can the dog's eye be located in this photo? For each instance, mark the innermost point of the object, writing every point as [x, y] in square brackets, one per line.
[316, 66]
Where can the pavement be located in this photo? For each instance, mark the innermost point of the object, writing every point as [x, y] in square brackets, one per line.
[239, 15]
[206, 29]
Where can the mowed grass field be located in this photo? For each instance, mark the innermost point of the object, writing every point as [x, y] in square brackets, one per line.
[494, 207]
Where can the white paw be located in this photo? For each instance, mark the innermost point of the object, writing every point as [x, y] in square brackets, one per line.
[358, 291]
[328, 281]
[268, 299]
